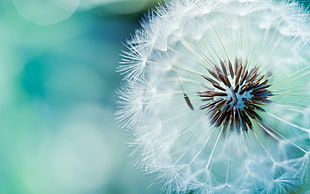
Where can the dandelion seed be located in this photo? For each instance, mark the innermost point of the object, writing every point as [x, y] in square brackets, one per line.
[216, 95]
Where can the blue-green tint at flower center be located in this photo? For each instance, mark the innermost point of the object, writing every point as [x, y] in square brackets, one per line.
[237, 98]
[236, 95]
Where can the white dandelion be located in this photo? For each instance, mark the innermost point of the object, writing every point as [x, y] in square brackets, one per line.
[216, 95]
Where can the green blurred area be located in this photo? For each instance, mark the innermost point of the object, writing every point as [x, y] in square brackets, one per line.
[57, 81]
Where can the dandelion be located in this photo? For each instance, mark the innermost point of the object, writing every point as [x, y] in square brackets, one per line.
[216, 96]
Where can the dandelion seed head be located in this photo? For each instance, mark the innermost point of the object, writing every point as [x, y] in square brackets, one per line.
[216, 96]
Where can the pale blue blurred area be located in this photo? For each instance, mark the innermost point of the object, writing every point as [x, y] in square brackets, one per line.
[57, 82]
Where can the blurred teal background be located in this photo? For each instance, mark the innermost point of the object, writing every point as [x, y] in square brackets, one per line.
[57, 101]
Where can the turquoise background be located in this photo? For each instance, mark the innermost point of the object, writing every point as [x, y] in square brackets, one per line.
[57, 97]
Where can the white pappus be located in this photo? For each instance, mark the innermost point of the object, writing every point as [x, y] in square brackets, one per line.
[216, 95]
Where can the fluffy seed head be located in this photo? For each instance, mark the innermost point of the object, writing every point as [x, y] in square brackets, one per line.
[216, 96]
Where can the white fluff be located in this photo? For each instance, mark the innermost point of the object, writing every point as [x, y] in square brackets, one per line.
[176, 44]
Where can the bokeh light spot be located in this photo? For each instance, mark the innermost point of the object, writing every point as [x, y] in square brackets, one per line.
[46, 12]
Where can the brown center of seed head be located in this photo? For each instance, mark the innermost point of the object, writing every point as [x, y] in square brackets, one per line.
[237, 93]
